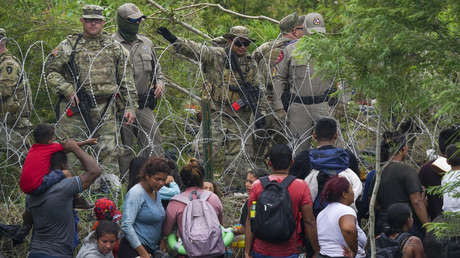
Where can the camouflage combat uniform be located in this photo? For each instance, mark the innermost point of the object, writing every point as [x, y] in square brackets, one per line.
[15, 102]
[296, 74]
[106, 74]
[147, 70]
[231, 130]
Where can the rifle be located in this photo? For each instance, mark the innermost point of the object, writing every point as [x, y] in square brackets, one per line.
[86, 101]
[147, 99]
[249, 95]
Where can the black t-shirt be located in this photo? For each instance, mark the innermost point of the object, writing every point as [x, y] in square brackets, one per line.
[302, 167]
[429, 177]
[397, 183]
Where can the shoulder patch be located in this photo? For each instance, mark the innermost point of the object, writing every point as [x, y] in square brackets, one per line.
[280, 57]
[9, 69]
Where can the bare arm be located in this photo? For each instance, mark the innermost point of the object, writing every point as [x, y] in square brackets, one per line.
[418, 203]
[413, 248]
[347, 225]
[309, 224]
[142, 252]
[92, 170]
[90, 141]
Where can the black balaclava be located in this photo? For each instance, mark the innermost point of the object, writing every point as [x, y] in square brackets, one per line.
[127, 29]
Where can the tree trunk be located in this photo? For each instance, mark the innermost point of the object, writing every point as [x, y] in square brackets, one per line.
[378, 175]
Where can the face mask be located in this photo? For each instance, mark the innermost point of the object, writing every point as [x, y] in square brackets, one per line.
[127, 29]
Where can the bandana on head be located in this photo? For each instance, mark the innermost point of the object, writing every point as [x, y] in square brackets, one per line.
[105, 208]
[127, 29]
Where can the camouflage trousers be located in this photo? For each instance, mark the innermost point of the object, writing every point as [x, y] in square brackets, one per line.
[232, 148]
[147, 132]
[300, 122]
[106, 151]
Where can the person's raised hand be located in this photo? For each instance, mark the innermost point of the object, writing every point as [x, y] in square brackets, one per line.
[169, 179]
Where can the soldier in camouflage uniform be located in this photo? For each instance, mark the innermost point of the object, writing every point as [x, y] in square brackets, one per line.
[231, 130]
[308, 94]
[15, 101]
[105, 73]
[148, 78]
[266, 56]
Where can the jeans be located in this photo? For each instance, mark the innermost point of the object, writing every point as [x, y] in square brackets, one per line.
[257, 255]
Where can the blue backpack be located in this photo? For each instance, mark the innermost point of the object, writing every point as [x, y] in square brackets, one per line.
[329, 162]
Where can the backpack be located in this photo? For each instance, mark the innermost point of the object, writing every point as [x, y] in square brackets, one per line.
[273, 220]
[329, 163]
[201, 229]
[389, 248]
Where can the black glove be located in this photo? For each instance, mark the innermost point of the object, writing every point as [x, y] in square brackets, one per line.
[167, 34]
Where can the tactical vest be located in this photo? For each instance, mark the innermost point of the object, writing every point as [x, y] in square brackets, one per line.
[18, 103]
[97, 61]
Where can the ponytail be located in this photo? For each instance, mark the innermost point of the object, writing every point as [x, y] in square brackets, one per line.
[192, 174]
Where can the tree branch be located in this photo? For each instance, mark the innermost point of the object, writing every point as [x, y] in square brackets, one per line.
[184, 24]
[259, 17]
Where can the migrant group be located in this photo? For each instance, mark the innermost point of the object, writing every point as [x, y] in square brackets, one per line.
[304, 203]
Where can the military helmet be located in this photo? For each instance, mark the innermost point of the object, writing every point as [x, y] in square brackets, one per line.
[238, 32]
[91, 11]
[288, 23]
[314, 22]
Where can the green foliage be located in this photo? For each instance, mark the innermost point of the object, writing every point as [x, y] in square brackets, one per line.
[403, 53]
[392, 51]
[448, 227]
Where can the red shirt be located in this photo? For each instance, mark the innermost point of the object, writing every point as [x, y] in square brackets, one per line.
[300, 196]
[37, 165]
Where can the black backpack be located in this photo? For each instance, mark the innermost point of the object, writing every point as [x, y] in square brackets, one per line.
[389, 248]
[273, 220]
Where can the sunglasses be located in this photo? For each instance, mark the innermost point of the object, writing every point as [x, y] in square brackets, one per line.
[240, 43]
[93, 20]
[138, 20]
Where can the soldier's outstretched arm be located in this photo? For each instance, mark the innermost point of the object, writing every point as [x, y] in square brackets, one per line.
[196, 51]
[281, 80]
[55, 69]
[127, 86]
